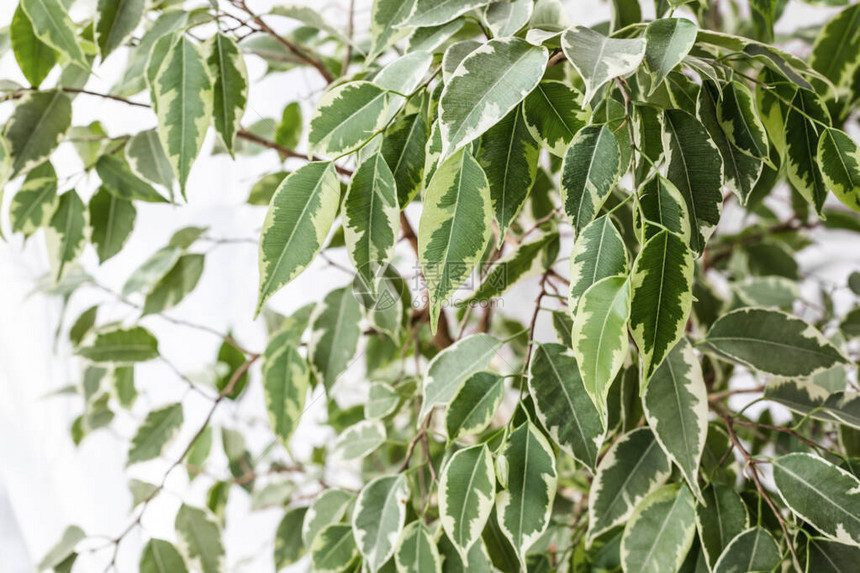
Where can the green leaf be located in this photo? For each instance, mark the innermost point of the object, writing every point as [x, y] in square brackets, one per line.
[724, 517]
[417, 550]
[161, 556]
[68, 225]
[454, 229]
[825, 496]
[562, 324]
[600, 336]
[227, 67]
[334, 335]
[487, 84]
[834, 54]
[669, 40]
[133, 79]
[660, 531]
[467, 488]
[661, 299]
[476, 561]
[112, 220]
[435, 12]
[327, 508]
[35, 201]
[598, 253]
[63, 548]
[35, 58]
[118, 178]
[507, 18]
[454, 54]
[200, 538]
[473, 407]
[524, 507]
[661, 206]
[147, 159]
[346, 117]
[157, 431]
[599, 59]
[289, 546]
[52, 25]
[590, 170]
[772, 342]
[839, 161]
[404, 75]
[453, 366]
[289, 131]
[122, 346]
[740, 122]
[334, 549]
[554, 113]
[633, 467]
[174, 286]
[371, 219]
[147, 275]
[694, 166]
[382, 400]
[83, 325]
[115, 21]
[386, 17]
[297, 223]
[360, 440]
[378, 519]
[752, 550]
[830, 557]
[183, 98]
[801, 149]
[563, 406]
[286, 380]
[676, 407]
[37, 126]
[403, 150]
[509, 157]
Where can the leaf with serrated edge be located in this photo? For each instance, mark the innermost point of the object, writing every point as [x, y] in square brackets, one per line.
[378, 518]
[466, 495]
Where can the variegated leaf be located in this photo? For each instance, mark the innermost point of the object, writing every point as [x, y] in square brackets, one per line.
[285, 384]
[661, 206]
[67, 226]
[334, 549]
[554, 113]
[723, 518]
[417, 550]
[386, 17]
[360, 440]
[740, 122]
[434, 12]
[34, 203]
[454, 54]
[839, 161]
[38, 124]
[378, 519]
[507, 18]
[147, 159]
[35, 58]
[334, 335]
[598, 253]
[403, 150]
[327, 508]
[590, 170]
[346, 117]
[155, 433]
[599, 59]
[752, 550]
[467, 488]
[53, 26]
[200, 538]
[660, 531]
[473, 407]
[115, 21]
[230, 88]
[668, 41]
[118, 178]
[803, 127]
[112, 220]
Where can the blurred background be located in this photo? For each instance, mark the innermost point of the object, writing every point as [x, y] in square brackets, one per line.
[46, 482]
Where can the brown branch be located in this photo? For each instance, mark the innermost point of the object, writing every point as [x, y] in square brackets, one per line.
[286, 151]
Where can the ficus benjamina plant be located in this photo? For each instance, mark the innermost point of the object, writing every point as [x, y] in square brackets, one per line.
[666, 389]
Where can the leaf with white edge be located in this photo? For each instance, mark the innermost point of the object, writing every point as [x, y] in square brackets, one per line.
[508, 18]
[467, 488]
[403, 150]
[434, 12]
[297, 223]
[562, 324]
[676, 407]
[752, 550]
[417, 550]
[155, 433]
[723, 518]
[801, 146]
[432, 153]
[668, 40]
[661, 300]
[227, 66]
[773, 291]
[52, 25]
[772, 342]
[476, 561]
[839, 160]
[200, 538]
[385, 19]
[289, 545]
[382, 400]
[334, 335]
[122, 346]
[820, 493]
[346, 117]
[161, 556]
[68, 225]
[599, 59]
[450, 368]
[660, 531]
[834, 54]
[183, 97]
[117, 177]
[360, 440]
[633, 467]
[741, 171]
[823, 556]
[661, 206]
[115, 21]
[454, 229]
[61, 550]
[600, 336]
[327, 508]
[562, 404]
[509, 156]
[147, 275]
[554, 113]
[524, 507]
[36, 127]
[334, 549]
[371, 219]
[694, 166]
[311, 18]
[35, 58]
[473, 407]
[404, 74]
[147, 160]
[378, 519]
[112, 220]
[174, 286]
[589, 172]
[740, 122]
[134, 78]
[598, 253]
[35, 201]
[486, 86]
[286, 380]
[454, 54]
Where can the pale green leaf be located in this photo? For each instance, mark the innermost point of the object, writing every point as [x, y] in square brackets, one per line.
[382, 400]
[599, 59]
[417, 550]
[360, 440]
[63, 548]
[590, 170]
[68, 226]
[122, 346]
[161, 556]
[200, 538]
[476, 561]
[378, 519]
[454, 54]
[435, 12]
[334, 549]
[473, 407]
[334, 335]
[174, 286]
[289, 546]
[147, 159]
[327, 508]
[153, 269]
[386, 16]
[668, 40]
[404, 74]
[285, 383]
[466, 495]
[118, 178]
[35, 201]
[660, 531]
[35, 58]
[507, 18]
[155, 433]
